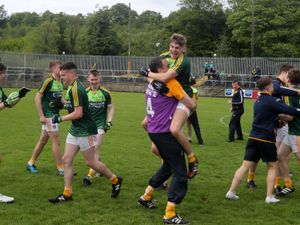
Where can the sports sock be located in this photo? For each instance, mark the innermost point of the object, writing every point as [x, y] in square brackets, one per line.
[148, 193]
[60, 167]
[91, 173]
[288, 183]
[31, 162]
[67, 191]
[170, 210]
[114, 179]
[251, 176]
[277, 181]
[191, 158]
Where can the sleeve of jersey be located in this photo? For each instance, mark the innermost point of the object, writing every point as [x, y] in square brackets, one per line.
[44, 86]
[180, 64]
[108, 98]
[77, 96]
[4, 96]
[284, 90]
[281, 107]
[175, 89]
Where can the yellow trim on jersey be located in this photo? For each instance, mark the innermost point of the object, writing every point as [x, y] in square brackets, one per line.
[165, 53]
[75, 94]
[45, 84]
[262, 140]
[103, 88]
[178, 62]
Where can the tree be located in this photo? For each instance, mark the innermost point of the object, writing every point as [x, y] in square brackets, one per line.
[276, 27]
[3, 16]
[149, 17]
[120, 14]
[202, 28]
[43, 39]
[100, 38]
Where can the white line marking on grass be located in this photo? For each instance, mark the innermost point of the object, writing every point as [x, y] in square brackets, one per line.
[221, 120]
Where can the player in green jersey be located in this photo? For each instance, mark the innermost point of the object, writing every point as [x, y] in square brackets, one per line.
[48, 103]
[179, 68]
[82, 134]
[102, 110]
[6, 102]
[291, 141]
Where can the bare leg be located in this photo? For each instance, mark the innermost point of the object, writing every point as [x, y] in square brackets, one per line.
[272, 167]
[239, 174]
[54, 136]
[177, 123]
[283, 152]
[89, 156]
[70, 153]
[40, 145]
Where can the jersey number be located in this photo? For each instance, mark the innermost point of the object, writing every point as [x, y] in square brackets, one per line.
[149, 108]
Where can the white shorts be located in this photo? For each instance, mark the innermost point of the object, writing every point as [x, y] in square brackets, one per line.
[281, 133]
[50, 126]
[182, 106]
[291, 141]
[101, 131]
[84, 143]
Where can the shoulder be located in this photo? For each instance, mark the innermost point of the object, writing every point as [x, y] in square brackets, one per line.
[47, 80]
[104, 90]
[88, 89]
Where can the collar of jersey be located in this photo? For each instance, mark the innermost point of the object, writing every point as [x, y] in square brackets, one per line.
[265, 92]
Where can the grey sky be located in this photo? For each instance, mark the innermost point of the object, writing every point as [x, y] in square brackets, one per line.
[86, 6]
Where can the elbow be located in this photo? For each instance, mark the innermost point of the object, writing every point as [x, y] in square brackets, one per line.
[78, 115]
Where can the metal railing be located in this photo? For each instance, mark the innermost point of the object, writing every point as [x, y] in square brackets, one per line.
[230, 65]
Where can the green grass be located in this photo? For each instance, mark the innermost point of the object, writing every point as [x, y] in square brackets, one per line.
[126, 150]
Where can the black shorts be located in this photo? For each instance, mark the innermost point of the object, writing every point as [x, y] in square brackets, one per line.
[256, 150]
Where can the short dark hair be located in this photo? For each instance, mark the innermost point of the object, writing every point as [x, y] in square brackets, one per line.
[294, 77]
[178, 39]
[95, 73]
[236, 81]
[68, 66]
[285, 68]
[263, 82]
[156, 63]
[54, 63]
[2, 67]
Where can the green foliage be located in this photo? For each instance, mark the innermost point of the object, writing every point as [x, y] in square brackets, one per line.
[12, 44]
[43, 39]
[100, 38]
[126, 150]
[3, 16]
[276, 26]
[209, 27]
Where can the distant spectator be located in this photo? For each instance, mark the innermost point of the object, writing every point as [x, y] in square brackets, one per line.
[206, 67]
[212, 67]
[222, 76]
[258, 71]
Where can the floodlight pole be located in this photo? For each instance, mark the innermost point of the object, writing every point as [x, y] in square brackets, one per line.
[252, 29]
[129, 41]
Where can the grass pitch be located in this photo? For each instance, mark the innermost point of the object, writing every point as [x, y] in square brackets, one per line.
[126, 150]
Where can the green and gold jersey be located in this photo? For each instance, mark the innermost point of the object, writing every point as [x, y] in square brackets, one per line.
[51, 90]
[3, 97]
[76, 96]
[294, 125]
[98, 102]
[182, 67]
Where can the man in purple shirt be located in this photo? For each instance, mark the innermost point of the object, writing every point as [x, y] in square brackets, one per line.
[160, 111]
